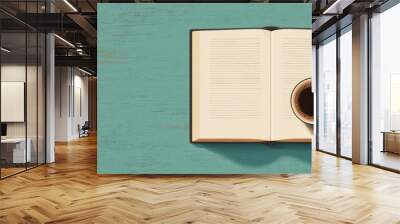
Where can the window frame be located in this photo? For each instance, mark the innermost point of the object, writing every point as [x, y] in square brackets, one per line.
[337, 34]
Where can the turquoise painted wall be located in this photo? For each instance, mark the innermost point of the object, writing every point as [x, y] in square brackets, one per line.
[143, 90]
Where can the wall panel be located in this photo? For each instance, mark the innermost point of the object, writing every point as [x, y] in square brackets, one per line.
[143, 90]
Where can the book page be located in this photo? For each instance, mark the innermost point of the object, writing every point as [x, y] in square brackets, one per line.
[230, 85]
[291, 60]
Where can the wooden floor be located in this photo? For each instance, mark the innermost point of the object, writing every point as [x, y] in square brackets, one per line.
[387, 159]
[5, 172]
[70, 191]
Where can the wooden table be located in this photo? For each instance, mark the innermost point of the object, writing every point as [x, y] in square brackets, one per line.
[391, 141]
[13, 150]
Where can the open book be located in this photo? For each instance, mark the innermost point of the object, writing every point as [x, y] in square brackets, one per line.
[243, 85]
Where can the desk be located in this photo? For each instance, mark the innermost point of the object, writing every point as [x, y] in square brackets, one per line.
[391, 141]
[14, 148]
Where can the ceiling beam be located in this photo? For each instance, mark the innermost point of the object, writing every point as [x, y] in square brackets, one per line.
[83, 61]
[86, 27]
[338, 6]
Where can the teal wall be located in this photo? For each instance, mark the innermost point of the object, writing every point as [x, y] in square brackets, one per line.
[143, 90]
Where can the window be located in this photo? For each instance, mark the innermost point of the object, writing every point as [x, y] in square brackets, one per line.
[345, 92]
[22, 107]
[326, 100]
[385, 89]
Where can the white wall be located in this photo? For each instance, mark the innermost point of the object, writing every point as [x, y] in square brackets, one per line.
[33, 127]
[80, 109]
[16, 72]
[62, 82]
[70, 83]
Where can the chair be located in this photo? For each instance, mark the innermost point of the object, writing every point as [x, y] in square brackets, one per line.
[84, 130]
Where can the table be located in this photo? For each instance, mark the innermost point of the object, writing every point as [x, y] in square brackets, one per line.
[391, 141]
[17, 149]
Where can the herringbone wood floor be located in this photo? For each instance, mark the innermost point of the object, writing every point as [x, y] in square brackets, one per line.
[69, 191]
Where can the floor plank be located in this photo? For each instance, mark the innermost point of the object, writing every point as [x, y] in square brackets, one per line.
[70, 191]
